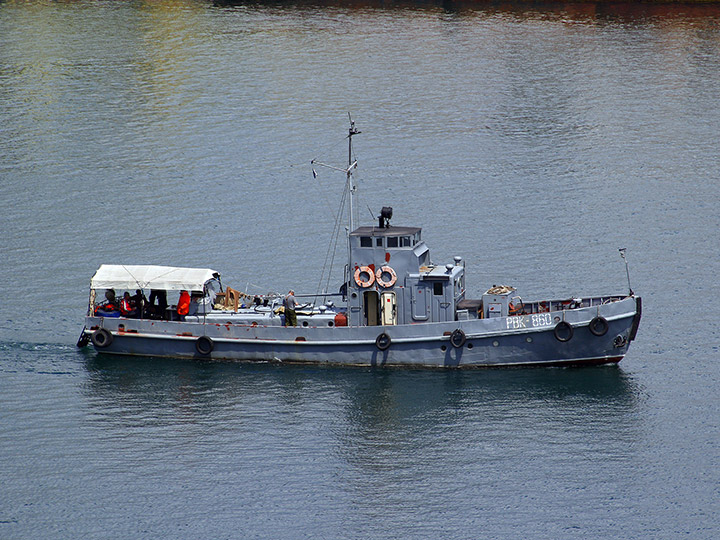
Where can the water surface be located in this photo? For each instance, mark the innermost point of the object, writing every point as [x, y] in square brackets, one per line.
[532, 141]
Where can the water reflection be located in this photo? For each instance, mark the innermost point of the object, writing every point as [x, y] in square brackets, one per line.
[374, 435]
[372, 401]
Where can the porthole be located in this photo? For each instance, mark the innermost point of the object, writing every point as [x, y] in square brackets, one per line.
[443, 348]
[469, 345]
[330, 323]
[305, 323]
[495, 343]
[528, 339]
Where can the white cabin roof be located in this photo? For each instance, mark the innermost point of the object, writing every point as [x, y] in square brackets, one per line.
[168, 278]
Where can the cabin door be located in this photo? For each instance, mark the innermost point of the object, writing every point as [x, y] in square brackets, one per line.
[420, 301]
[389, 308]
[371, 301]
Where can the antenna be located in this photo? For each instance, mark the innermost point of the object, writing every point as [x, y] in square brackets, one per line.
[627, 269]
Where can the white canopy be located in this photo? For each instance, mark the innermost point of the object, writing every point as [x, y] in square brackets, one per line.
[168, 278]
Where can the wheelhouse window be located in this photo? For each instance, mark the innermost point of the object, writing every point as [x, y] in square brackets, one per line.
[406, 241]
[379, 241]
[365, 241]
[438, 288]
[392, 241]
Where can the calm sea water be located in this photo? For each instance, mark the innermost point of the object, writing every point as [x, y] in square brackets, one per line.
[534, 142]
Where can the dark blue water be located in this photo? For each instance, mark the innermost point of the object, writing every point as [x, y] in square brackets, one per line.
[533, 142]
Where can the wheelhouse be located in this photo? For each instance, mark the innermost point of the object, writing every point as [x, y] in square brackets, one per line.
[393, 281]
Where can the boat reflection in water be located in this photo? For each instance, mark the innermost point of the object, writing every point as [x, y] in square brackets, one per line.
[170, 390]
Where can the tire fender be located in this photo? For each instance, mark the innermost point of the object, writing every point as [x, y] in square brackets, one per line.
[101, 338]
[383, 341]
[599, 326]
[457, 338]
[563, 331]
[204, 345]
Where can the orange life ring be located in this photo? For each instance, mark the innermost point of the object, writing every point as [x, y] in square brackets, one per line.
[385, 270]
[364, 270]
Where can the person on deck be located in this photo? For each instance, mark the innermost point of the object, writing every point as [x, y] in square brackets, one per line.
[139, 301]
[183, 305]
[290, 304]
[127, 306]
[110, 305]
[159, 310]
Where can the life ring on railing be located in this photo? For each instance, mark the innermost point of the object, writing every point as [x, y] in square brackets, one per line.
[101, 338]
[385, 270]
[204, 345]
[359, 271]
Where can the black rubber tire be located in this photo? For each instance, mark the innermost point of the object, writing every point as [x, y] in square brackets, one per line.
[101, 338]
[563, 331]
[457, 338]
[599, 326]
[383, 341]
[204, 345]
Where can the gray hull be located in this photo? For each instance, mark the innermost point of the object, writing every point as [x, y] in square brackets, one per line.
[523, 340]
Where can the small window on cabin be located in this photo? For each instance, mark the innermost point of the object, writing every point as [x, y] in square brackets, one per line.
[406, 241]
[378, 242]
[438, 288]
[365, 241]
[392, 241]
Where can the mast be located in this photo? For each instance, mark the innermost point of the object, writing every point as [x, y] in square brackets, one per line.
[349, 187]
[351, 165]
[352, 189]
[349, 183]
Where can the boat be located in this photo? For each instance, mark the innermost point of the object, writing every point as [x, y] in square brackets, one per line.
[395, 307]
